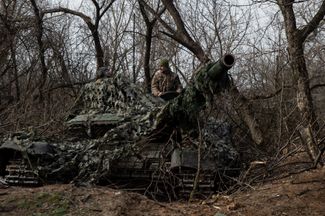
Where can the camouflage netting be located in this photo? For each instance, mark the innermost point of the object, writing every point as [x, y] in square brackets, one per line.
[81, 161]
[217, 141]
[114, 95]
[122, 99]
[89, 161]
[119, 97]
[85, 160]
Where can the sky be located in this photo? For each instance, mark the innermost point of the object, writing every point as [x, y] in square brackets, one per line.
[74, 4]
[261, 9]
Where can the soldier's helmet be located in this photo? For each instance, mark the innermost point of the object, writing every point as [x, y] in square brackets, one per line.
[164, 65]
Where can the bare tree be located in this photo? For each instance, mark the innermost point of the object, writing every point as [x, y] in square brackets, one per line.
[181, 35]
[7, 45]
[296, 38]
[149, 31]
[93, 25]
[117, 41]
[41, 46]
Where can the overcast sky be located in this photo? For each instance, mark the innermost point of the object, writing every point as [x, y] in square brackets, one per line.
[71, 4]
[262, 10]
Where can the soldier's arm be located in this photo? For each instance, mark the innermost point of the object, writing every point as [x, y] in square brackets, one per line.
[154, 85]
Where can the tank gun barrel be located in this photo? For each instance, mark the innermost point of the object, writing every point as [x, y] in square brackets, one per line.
[221, 66]
[213, 77]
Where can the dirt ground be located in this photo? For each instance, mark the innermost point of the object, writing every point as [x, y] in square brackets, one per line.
[298, 194]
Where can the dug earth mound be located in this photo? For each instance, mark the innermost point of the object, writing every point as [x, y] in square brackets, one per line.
[299, 194]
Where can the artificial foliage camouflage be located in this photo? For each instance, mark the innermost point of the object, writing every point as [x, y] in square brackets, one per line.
[116, 101]
[207, 81]
[130, 136]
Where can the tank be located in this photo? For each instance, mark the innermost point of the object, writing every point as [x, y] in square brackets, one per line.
[117, 135]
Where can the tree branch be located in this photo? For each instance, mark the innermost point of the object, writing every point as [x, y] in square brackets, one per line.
[97, 12]
[144, 13]
[158, 17]
[67, 85]
[317, 86]
[176, 16]
[273, 94]
[182, 34]
[106, 8]
[92, 27]
[314, 22]
[84, 17]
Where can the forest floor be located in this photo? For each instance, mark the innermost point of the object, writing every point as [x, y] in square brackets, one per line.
[296, 194]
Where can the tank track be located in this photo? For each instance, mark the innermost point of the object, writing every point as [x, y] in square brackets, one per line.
[20, 174]
[186, 182]
[155, 179]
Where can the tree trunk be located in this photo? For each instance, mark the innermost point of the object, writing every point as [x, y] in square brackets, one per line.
[150, 25]
[308, 139]
[296, 38]
[15, 70]
[98, 48]
[41, 47]
[181, 35]
[92, 27]
[244, 109]
[146, 63]
[304, 97]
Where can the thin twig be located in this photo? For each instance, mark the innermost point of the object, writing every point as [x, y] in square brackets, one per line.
[197, 175]
[317, 159]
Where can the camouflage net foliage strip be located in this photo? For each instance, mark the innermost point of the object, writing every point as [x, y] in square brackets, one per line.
[119, 98]
[88, 161]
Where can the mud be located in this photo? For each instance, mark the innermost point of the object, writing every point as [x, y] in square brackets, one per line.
[298, 194]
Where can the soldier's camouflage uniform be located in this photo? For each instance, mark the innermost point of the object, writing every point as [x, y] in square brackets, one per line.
[164, 82]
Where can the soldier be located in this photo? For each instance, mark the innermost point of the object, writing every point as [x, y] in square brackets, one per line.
[165, 80]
